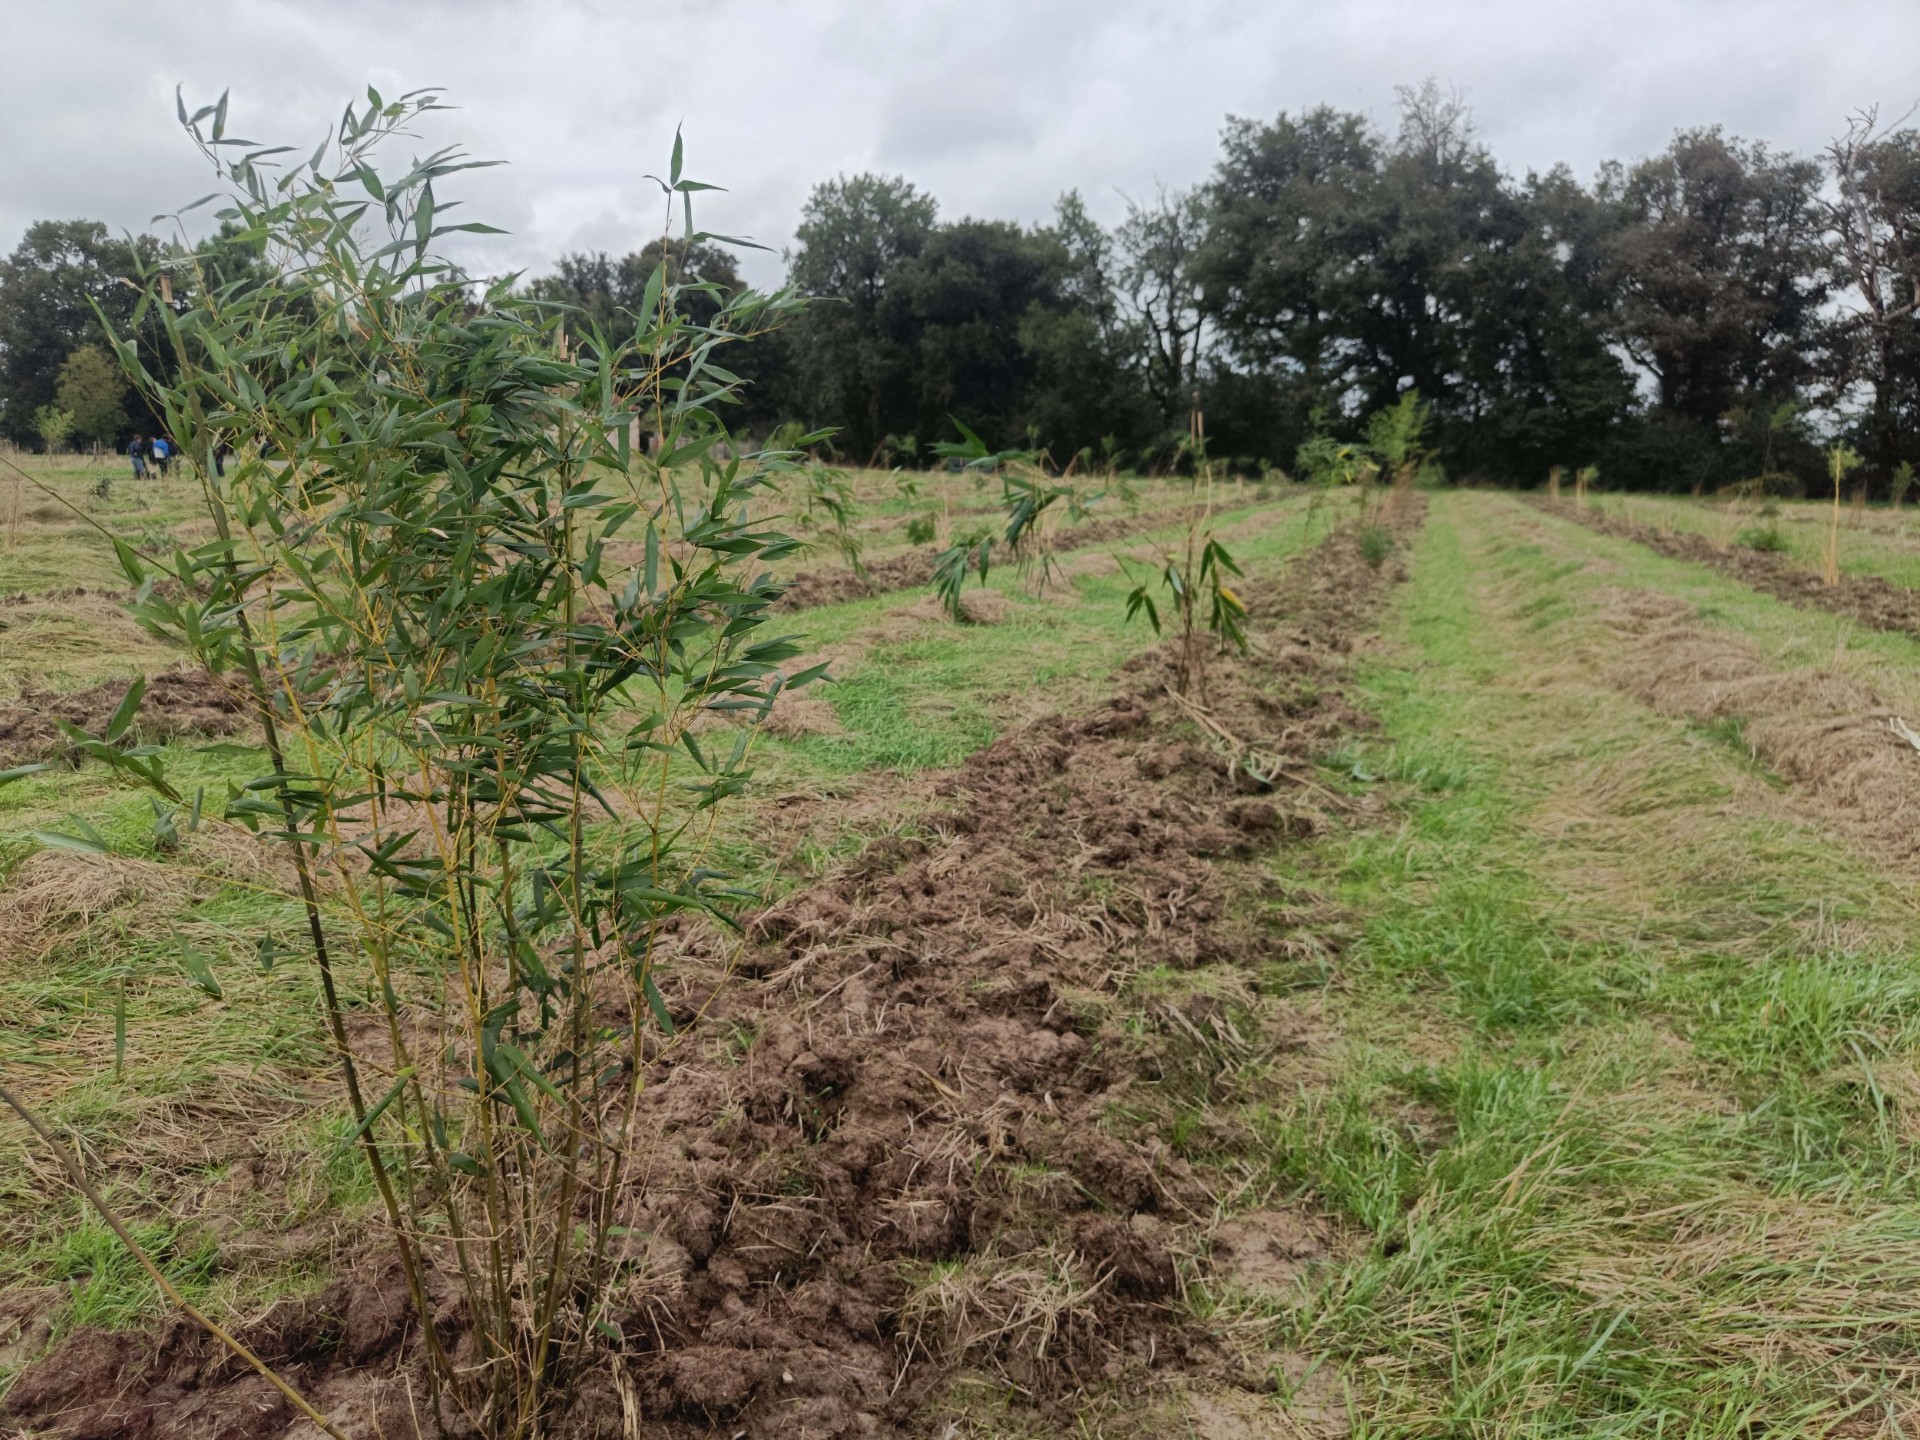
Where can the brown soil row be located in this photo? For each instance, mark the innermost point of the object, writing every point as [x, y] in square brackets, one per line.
[915, 570]
[881, 1154]
[176, 703]
[1835, 740]
[1877, 603]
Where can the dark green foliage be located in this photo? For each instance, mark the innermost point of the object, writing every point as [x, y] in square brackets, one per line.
[1718, 270]
[93, 390]
[853, 232]
[1347, 264]
[1651, 321]
[1766, 537]
[52, 287]
[1875, 237]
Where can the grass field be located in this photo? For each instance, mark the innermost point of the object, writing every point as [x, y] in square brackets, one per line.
[1547, 1064]
[1875, 540]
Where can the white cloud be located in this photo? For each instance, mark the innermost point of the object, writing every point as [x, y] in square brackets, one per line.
[995, 106]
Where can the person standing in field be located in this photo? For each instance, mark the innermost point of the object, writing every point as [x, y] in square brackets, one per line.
[137, 452]
[162, 452]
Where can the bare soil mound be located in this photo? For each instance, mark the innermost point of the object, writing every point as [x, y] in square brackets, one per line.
[886, 1148]
[1876, 603]
[177, 702]
[915, 570]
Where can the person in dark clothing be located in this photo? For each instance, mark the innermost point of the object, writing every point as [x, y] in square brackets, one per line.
[220, 453]
[137, 452]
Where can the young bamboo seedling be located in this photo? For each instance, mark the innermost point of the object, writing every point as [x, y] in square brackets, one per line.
[1033, 502]
[1840, 462]
[1195, 577]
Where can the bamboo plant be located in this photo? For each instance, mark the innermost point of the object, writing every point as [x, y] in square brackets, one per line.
[1194, 573]
[494, 753]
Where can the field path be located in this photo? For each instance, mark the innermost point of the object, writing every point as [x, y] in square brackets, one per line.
[1870, 598]
[1625, 1105]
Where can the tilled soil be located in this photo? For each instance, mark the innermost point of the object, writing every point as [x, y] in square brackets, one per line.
[915, 570]
[885, 1153]
[176, 703]
[1876, 603]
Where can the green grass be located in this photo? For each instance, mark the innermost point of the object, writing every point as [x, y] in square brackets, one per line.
[1622, 1150]
[108, 1286]
[1880, 542]
[1612, 1084]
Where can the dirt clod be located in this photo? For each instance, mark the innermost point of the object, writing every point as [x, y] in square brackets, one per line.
[176, 703]
[1268, 1250]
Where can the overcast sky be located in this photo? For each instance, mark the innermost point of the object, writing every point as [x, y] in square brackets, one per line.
[995, 106]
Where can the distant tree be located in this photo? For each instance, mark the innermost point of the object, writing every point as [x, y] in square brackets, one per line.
[1157, 244]
[1441, 219]
[1086, 391]
[1652, 323]
[1288, 227]
[93, 391]
[963, 308]
[1719, 271]
[48, 288]
[610, 292]
[1342, 268]
[1088, 281]
[1536, 381]
[54, 426]
[1873, 220]
[853, 368]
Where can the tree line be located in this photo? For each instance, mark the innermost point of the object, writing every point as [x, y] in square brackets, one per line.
[1707, 316]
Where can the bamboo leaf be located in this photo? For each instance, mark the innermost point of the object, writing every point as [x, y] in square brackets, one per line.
[198, 968]
[378, 1109]
[656, 1002]
[128, 707]
[88, 842]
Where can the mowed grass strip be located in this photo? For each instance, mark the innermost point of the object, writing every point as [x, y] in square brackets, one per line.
[1876, 540]
[1791, 636]
[1621, 1113]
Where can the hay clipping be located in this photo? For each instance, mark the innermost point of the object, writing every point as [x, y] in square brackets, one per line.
[55, 895]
